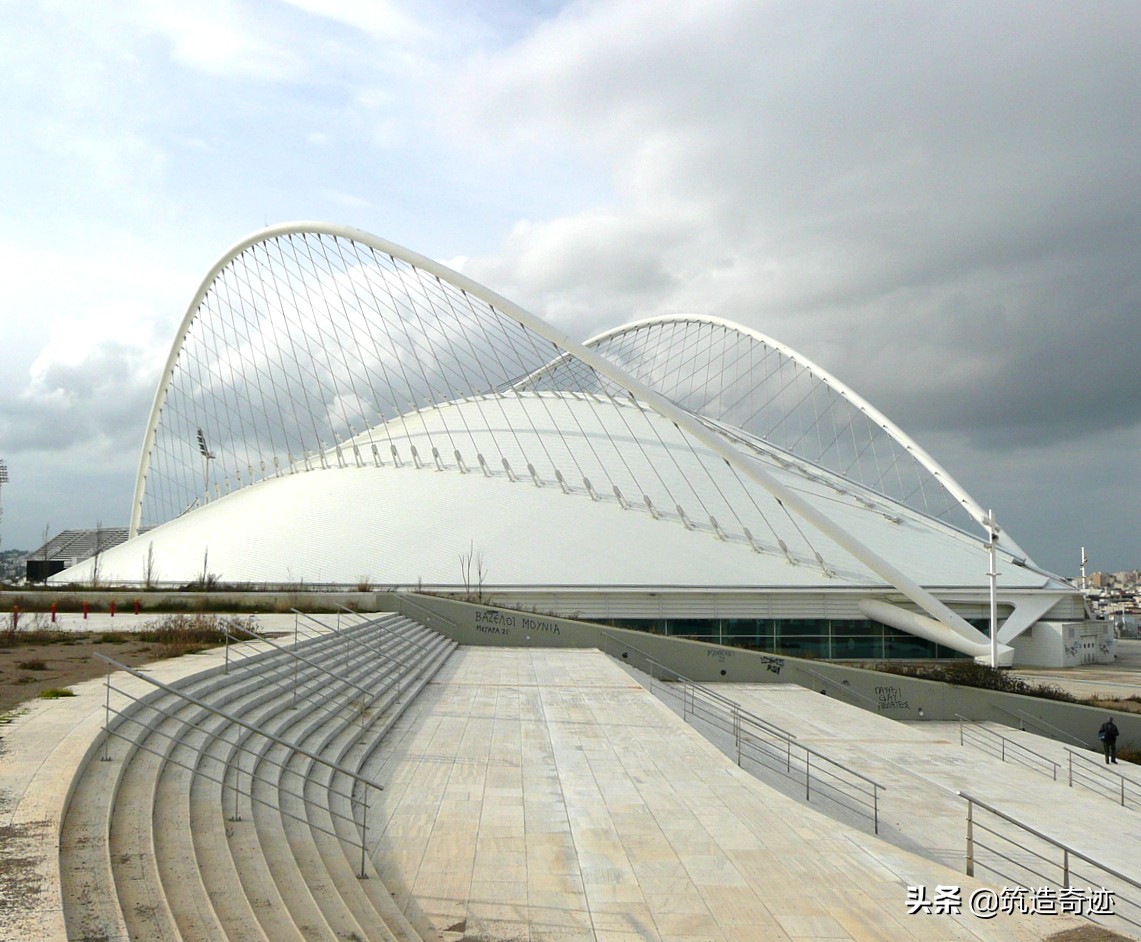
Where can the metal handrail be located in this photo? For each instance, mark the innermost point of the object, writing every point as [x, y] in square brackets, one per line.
[404, 599]
[1026, 717]
[290, 652]
[737, 715]
[1123, 779]
[709, 692]
[1067, 850]
[245, 724]
[360, 641]
[169, 757]
[356, 777]
[838, 684]
[1016, 747]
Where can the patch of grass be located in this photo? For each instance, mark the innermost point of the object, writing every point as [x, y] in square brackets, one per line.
[33, 665]
[13, 637]
[54, 693]
[6, 718]
[1124, 704]
[970, 674]
[181, 634]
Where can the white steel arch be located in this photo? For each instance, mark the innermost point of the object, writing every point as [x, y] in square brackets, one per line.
[949, 627]
[874, 415]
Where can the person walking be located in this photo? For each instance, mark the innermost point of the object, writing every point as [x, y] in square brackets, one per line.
[1108, 736]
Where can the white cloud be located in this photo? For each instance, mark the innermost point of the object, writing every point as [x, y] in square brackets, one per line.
[219, 37]
[378, 18]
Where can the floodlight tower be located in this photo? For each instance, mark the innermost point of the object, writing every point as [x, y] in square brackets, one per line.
[207, 457]
[993, 531]
[3, 481]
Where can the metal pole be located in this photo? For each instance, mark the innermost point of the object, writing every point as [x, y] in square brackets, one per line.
[1065, 866]
[238, 774]
[992, 530]
[226, 668]
[296, 664]
[364, 832]
[970, 838]
[107, 719]
[807, 774]
[737, 731]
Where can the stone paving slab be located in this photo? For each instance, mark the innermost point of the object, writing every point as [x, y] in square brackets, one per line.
[923, 766]
[40, 751]
[546, 795]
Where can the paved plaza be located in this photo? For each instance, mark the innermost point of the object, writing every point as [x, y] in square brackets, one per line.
[548, 795]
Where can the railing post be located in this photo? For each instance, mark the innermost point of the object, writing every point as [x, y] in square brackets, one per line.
[296, 664]
[737, 731]
[226, 668]
[106, 757]
[364, 829]
[236, 816]
[1070, 763]
[970, 838]
[1065, 866]
[876, 808]
[1122, 791]
[807, 774]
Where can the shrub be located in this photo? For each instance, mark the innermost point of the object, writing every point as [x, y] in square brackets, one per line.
[54, 693]
[180, 634]
[33, 665]
[968, 673]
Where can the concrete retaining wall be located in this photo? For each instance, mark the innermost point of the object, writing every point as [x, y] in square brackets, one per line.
[898, 697]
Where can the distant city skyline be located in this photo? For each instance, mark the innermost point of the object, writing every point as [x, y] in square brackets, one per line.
[939, 204]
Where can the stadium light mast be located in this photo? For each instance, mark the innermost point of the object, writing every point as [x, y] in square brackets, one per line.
[992, 539]
[207, 456]
[3, 481]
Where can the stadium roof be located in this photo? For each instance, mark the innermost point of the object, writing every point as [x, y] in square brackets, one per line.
[338, 408]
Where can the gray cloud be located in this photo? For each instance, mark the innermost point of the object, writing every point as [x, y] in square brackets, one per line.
[96, 405]
[940, 204]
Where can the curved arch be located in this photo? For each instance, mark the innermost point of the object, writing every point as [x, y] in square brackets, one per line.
[284, 229]
[874, 415]
[686, 422]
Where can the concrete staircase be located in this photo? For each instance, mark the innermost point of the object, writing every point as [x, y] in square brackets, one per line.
[228, 807]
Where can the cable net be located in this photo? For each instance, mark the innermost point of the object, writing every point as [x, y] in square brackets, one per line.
[737, 379]
[311, 350]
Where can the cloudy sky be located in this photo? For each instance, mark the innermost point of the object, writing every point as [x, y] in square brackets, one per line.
[938, 202]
